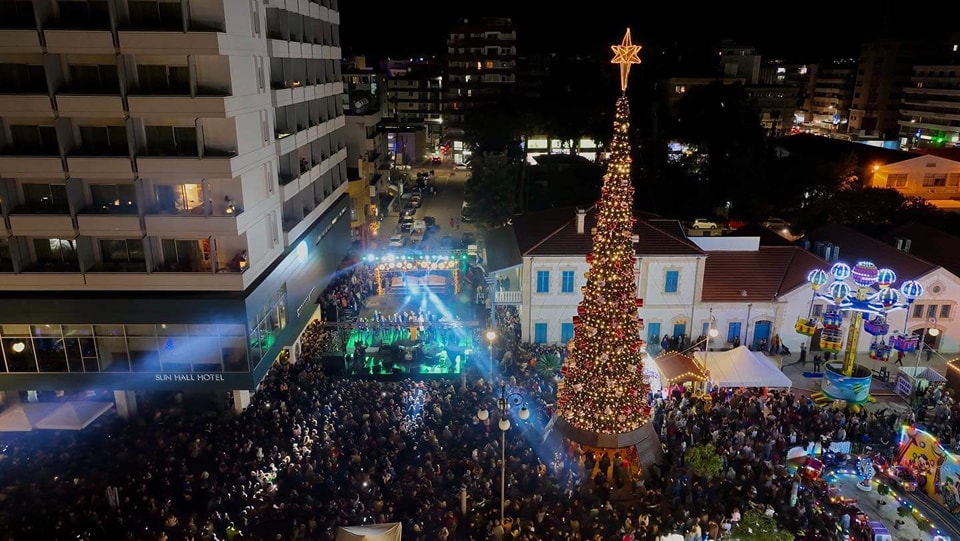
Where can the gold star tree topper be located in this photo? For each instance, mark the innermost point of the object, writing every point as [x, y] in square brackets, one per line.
[625, 54]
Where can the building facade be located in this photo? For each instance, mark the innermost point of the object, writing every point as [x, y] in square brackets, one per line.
[172, 184]
[934, 178]
[930, 110]
[368, 163]
[883, 72]
[481, 67]
[749, 292]
[830, 94]
[415, 97]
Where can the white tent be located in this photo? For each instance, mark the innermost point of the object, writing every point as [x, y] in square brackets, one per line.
[73, 415]
[740, 367]
[375, 532]
[24, 417]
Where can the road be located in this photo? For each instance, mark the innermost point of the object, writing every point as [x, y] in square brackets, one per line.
[445, 205]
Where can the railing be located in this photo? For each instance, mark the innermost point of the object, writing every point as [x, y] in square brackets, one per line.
[508, 297]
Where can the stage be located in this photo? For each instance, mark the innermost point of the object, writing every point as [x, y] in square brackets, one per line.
[438, 350]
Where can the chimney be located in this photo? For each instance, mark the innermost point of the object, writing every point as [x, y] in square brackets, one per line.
[581, 220]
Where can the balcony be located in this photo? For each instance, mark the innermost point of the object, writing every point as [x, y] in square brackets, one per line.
[100, 167]
[188, 225]
[25, 165]
[106, 224]
[24, 224]
[509, 297]
[38, 105]
[167, 281]
[34, 279]
[210, 105]
[224, 166]
[93, 41]
[183, 43]
[20, 42]
[90, 106]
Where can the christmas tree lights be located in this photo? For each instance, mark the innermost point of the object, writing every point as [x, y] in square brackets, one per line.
[603, 389]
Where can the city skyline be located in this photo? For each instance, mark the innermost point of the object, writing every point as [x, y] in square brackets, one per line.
[805, 36]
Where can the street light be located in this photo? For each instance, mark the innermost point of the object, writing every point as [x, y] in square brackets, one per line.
[712, 333]
[504, 404]
[491, 336]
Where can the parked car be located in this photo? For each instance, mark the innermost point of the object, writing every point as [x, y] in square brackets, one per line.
[436, 160]
[416, 200]
[397, 241]
[406, 223]
[777, 224]
[409, 211]
[703, 223]
[903, 477]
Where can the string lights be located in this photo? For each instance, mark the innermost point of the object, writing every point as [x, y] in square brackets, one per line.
[603, 389]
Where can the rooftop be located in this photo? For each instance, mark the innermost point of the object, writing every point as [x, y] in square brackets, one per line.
[827, 147]
[756, 276]
[855, 246]
[554, 233]
[767, 236]
[931, 244]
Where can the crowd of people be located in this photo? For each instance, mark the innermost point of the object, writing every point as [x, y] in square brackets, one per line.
[312, 453]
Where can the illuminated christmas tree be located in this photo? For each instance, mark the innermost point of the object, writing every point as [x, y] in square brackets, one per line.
[603, 390]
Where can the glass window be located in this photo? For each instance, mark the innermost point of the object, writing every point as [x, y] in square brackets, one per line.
[108, 330]
[234, 352]
[167, 329]
[232, 330]
[140, 330]
[567, 282]
[35, 139]
[22, 78]
[55, 251]
[202, 330]
[156, 15]
[144, 353]
[104, 140]
[931, 311]
[77, 330]
[171, 140]
[917, 311]
[19, 354]
[733, 331]
[114, 197]
[180, 198]
[671, 282]
[51, 198]
[543, 281]
[121, 250]
[113, 354]
[95, 79]
[185, 255]
[74, 356]
[540, 333]
[84, 13]
[47, 331]
[164, 79]
[51, 355]
[945, 310]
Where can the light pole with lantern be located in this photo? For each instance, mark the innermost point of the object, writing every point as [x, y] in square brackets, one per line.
[491, 336]
[504, 404]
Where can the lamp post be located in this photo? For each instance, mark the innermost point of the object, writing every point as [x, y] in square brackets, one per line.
[712, 333]
[491, 336]
[504, 404]
[932, 330]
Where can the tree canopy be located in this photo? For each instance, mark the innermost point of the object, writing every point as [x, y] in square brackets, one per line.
[703, 461]
[492, 189]
[755, 526]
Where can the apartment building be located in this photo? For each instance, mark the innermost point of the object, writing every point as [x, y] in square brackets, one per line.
[481, 67]
[883, 71]
[930, 109]
[368, 165]
[172, 178]
[829, 95]
[415, 98]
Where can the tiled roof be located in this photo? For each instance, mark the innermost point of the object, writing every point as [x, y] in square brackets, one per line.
[929, 243]
[855, 246]
[673, 227]
[756, 276]
[554, 233]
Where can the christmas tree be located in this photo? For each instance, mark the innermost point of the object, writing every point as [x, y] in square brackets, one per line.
[603, 390]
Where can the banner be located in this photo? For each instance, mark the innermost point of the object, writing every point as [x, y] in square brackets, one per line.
[937, 471]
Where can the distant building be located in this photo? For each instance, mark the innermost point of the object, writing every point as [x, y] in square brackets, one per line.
[936, 179]
[829, 96]
[739, 62]
[777, 105]
[481, 67]
[883, 71]
[415, 97]
[930, 110]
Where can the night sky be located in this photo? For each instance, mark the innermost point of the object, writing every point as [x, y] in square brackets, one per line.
[801, 30]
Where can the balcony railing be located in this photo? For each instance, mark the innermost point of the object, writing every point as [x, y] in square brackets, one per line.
[42, 208]
[53, 266]
[29, 150]
[119, 266]
[119, 209]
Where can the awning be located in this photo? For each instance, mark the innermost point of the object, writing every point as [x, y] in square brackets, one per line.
[24, 417]
[675, 367]
[72, 415]
[740, 367]
[374, 532]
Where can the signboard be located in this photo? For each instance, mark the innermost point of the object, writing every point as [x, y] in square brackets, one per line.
[904, 385]
[189, 376]
[937, 471]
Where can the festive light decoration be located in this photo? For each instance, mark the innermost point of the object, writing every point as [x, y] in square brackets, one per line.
[626, 54]
[603, 389]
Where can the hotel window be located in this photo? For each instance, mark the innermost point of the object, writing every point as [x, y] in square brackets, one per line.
[57, 254]
[566, 285]
[41, 140]
[917, 312]
[6, 259]
[104, 140]
[46, 198]
[185, 255]
[171, 140]
[123, 252]
[94, 79]
[84, 14]
[164, 79]
[671, 281]
[180, 198]
[945, 311]
[543, 281]
[540, 333]
[120, 198]
[23, 78]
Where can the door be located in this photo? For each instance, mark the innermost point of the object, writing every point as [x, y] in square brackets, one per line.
[653, 337]
[761, 331]
[680, 329]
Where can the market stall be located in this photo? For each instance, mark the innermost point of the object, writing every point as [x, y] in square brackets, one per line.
[740, 367]
[911, 377]
[676, 369]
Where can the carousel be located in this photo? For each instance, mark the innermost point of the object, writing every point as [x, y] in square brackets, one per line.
[866, 294]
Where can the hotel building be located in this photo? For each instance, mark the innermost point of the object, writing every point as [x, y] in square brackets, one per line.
[172, 186]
